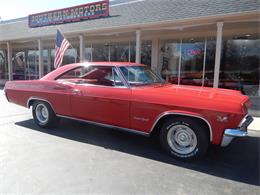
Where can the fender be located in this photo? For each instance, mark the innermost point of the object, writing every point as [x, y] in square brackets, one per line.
[182, 113]
[41, 99]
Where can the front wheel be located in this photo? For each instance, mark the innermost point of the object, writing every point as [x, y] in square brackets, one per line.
[184, 138]
[43, 114]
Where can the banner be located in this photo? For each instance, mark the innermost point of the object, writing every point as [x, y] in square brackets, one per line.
[68, 15]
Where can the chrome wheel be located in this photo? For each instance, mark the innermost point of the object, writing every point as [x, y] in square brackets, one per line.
[42, 113]
[182, 139]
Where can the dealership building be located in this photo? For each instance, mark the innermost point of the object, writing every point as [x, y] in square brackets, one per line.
[191, 42]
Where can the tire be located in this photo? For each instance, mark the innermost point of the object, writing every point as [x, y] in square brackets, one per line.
[184, 138]
[43, 114]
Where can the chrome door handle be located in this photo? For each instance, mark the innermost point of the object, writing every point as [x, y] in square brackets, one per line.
[76, 92]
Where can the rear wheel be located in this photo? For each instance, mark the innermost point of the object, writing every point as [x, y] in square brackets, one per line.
[43, 114]
[184, 138]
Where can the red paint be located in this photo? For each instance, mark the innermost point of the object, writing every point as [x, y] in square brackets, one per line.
[134, 108]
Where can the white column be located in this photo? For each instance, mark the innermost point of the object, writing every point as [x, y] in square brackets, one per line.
[91, 54]
[9, 60]
[218, 53]
[179, 68]
[40, 58]
[109, 52]
[81, 48]
[138, 47]
[155, 55]
[129, 51]
[204, 62]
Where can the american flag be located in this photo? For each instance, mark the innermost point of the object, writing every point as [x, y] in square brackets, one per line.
[61, 46]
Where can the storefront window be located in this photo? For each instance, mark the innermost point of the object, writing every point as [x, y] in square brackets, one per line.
[240, 65]
[119, 52]
[3, 66]
[20, 71]
[32, 71]
[45, 60]
[196, 65]
[132, 51]
[192, 60]
[169, 60]
[146, 51]
[88, 53]
[52, 58]
[100, 52]
[70, 56]
[210, 62]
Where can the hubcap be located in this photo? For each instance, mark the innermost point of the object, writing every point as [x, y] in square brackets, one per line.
[42, 113]
[182, 139]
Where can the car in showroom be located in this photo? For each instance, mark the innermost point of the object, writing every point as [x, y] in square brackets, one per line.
[131, 97]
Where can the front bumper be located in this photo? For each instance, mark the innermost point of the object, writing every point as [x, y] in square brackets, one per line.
[241, 131]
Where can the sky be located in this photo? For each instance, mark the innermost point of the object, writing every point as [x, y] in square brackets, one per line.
[11, 9]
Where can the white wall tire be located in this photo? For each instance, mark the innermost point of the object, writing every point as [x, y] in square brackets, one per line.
[43, 114]
[184, 138]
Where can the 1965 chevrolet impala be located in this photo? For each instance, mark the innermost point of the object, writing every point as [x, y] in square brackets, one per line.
[131, 97]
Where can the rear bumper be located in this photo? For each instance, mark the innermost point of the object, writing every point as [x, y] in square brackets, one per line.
[241, 131]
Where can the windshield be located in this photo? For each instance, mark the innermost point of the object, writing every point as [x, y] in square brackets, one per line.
[140, 75]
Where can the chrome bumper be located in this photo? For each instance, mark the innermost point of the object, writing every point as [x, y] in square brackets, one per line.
[230, 134]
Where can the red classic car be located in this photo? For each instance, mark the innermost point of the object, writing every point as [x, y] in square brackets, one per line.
[129, 96]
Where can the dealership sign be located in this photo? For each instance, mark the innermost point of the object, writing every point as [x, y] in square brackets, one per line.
[72, 14]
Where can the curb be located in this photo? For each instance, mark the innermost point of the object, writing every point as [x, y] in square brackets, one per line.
[255, 125]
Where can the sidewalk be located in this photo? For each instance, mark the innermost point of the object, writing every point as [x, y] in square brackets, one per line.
[255, 125]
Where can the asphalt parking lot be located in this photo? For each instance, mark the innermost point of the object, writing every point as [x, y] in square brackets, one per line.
[77, 158]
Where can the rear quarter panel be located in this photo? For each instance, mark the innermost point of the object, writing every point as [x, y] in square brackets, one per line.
[19, 92]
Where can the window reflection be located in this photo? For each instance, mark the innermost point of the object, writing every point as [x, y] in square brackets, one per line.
[240, 65]
[196, 64]
[169, 60]
[146, 51]
[88, 53]
[32, 65]
[70, 56]
[192, 59]
[100, 52]
[210, 63]
[119, 52]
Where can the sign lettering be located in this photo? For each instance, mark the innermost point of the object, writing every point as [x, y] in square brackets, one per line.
[72, 14]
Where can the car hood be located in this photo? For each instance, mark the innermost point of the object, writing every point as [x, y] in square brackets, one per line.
[195, 97]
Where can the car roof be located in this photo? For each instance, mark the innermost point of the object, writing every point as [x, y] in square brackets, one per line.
[111, 63]
[52, 75]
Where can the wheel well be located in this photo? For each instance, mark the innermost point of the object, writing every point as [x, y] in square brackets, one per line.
[156, 129]
[32, 100]
[30, 103]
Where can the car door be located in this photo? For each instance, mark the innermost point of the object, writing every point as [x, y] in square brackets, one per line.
[101, 99]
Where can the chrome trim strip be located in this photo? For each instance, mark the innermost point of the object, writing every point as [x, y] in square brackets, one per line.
[41, 99]
[177, 113]
[106, 125]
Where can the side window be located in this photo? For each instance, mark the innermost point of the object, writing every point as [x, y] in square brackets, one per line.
[72, 74]
[129, 74]
[95, 75]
